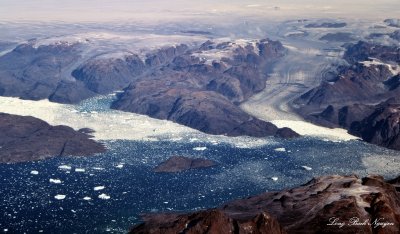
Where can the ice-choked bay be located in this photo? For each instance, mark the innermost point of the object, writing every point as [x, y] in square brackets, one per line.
[108, 192]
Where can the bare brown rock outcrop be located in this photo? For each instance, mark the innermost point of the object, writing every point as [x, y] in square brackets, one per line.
[328, 204]
[25, 138]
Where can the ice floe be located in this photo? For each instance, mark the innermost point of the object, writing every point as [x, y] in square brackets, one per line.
[306, 168]
[98, 168]
[104, 196]
[65, 167]
[280, 150]
[120, 166]
[59, 197]
[87, 198]
[274, 178]
[34, 172]
[55, 181]
[79, 170]
[199, 148]
[97, 188]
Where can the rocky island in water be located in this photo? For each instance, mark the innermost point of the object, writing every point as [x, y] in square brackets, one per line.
[180, 163]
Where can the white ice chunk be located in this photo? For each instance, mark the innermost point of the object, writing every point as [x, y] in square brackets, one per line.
[55, 181]
[59, 197]
[87, 198]
[99, 188]
[79, 170]
[98, 168]
[307, 168]
[274, 178]
[200, 148]
[104, 196]
[34, 172]
[120, 166]
[64, 167]
[280, 150]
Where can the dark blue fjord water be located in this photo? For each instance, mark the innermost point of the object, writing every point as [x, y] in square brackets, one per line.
[126, 186]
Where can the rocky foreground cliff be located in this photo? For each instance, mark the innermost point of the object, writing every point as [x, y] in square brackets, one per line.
[25, 138]
[328, 204]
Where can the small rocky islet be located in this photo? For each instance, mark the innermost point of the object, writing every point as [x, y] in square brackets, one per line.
[181, 163]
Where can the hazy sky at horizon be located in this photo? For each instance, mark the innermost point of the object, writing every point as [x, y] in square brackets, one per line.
[156, 10]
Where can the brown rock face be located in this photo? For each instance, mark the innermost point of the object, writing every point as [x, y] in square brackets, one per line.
[396, 183]
[328, 204]
[211, 221]
[179, 163]
[204, 95]
[382, 127]
[24, 138]
[36, 73]
[354, 84]
[349, 100]
[376, 124]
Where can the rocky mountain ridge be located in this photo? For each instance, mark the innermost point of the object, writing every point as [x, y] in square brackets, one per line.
[203, 87]
[199, 87]
[362, 97]
[328, 204]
